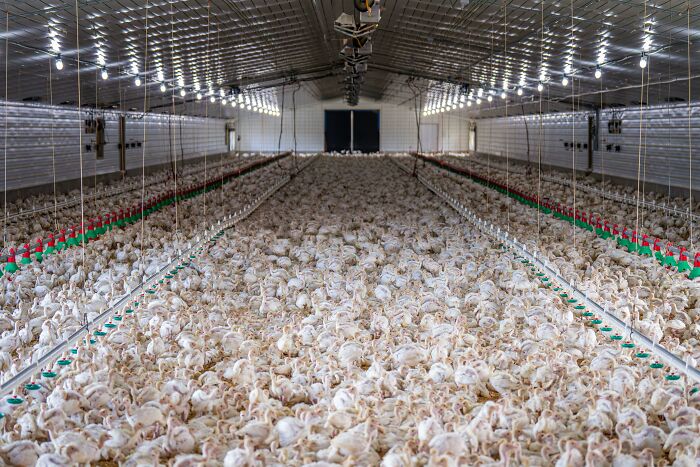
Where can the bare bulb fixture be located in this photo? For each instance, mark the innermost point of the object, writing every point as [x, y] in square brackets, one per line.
[137, 81]
[59, 63]
[520, 91]
[104, 74]
[183, 93]
[503, 95]
[540, 87]
[643, 61]
[162, 87]
[565, 81]
[598, 73]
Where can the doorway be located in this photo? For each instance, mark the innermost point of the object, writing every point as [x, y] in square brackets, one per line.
[338, 130]
[352, 130]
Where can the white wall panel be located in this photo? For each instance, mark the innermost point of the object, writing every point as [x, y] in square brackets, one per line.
[660, 148]
[397, 126]
[39, 134]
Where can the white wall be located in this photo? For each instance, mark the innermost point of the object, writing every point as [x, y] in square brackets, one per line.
[397, 126]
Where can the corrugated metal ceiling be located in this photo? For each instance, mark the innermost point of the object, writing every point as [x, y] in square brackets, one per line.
[260, 43]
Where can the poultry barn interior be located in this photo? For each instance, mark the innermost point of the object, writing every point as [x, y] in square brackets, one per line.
[350, 232]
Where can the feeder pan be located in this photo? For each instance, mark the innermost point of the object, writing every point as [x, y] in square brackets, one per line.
[580, 307]
[48, 374]
[606, 329]
[641, 355]
[628, 345]
[32, 387]
[110, 325]
[117, 318]
[596, 321]
[656, 365]
[64, 362]
[616, 337]
[672, 377]
[14, 400]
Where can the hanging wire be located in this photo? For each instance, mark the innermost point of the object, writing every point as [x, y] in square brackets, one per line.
[143, 145]
[279, 140]
[644, 157]
[53, 148]
[539, 146]
[4, 185]
[172, 95]
[206, 111]
[573, 130]
[294, 122]
[80, 136]
[505, 71]
[641, 127]
[690, 139]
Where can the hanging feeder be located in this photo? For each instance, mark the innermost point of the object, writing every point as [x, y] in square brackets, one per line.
[62, 244]
[26, 258]
[696, 267]
[683, 265]
[645, 249]
[669, 259]
[51, 245]
[11, 266]
[39, 251]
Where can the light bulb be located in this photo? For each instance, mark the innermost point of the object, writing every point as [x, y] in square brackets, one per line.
[478, 101]
[643, 61]
[223, 101]
[565, 80]
[598, 73]
[104, 74]
[199, 96]
[162, 87]
[249, 107]
[503, 95]
[59, 63]
[137, 81]
[461, 105]
[469, 103]
[540, 87]
[489, 98]
[520, 91]
[233, 103]
[212, 99]
[183, 92]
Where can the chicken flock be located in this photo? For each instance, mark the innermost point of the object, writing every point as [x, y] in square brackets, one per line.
[353, 319]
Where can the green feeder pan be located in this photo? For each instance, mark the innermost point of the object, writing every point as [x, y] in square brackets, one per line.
[50, 250]
[645, 250]
[192, 257]
[168, 276]
[606, 329]
[14, 400]
[129, 311]
[181, 267]
[572, 300]
[656, 365]
[672, 377]
[25, 260]
[556, 289]
[540, 274]
[160, 281]
[587, 313]
[100, 333]
[669, 261]
[74, 351]
[151, 291]
[174, 271]
[694, 273]
[32, 387]
[580, 307]
[92, 341]
[117, 318]
[627, 345]
[563, 295]
[616, 337]
[110, 325]
[48, 374]
[683, 266]
[641, 355]
[596, 321]
[694, 390]
[2, 415]
[39, 257]
[64, 362]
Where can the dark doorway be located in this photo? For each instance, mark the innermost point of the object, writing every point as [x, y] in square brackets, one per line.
[366, 130]
[338, 130]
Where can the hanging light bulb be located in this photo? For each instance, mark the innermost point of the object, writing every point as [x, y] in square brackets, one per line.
[598, 72]
[469, 103]
[212, 99]
[233, 103]
[565, 81]
[461, 105]
[503, 95]
[199, 96]
[520, 91]
[104, 74]
[59, 63]
[162, 87]
[183, 93]
[137, 81]
[540, 86]
[223, 101]
[489, 98]
[478, 101]
[643, 61]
